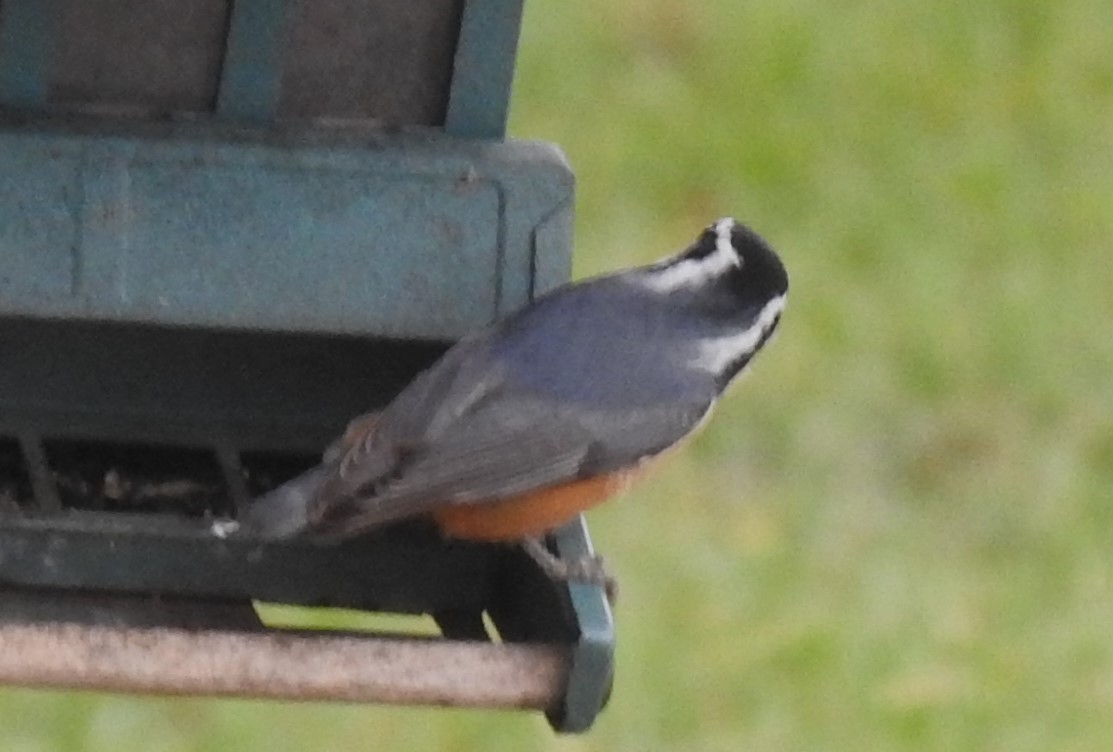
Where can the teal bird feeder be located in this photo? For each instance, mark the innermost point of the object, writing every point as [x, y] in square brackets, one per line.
[226, 228]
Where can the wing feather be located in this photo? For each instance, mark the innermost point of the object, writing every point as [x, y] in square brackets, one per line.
[513, 447]
[470, 430]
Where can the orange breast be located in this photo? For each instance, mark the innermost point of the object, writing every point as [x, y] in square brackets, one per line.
[530, 514]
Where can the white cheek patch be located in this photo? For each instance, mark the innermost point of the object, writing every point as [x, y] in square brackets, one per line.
[715, 354]
[696, 272]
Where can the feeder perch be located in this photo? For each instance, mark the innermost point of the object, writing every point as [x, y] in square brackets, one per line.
[226, 228]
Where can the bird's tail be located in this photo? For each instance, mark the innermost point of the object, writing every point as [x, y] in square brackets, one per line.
[284, 511]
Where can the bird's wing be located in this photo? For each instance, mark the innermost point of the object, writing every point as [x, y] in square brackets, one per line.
[489, 421]
[505, 447]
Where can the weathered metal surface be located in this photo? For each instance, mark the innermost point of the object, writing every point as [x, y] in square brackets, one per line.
[437, 63]
[152, 57]
[402, 236]
[283, 665]
[378, 60]
[118, 552]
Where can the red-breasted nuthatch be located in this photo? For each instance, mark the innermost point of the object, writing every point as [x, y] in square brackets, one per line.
[541, 415]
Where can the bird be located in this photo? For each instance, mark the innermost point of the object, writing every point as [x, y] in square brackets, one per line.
[527, 422]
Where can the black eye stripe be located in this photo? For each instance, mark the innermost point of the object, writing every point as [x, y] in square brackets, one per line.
[703, 247]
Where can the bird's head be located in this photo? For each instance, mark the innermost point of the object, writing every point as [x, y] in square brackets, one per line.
[738, 286]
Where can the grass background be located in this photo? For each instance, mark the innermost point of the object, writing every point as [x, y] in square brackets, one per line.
[898, 533]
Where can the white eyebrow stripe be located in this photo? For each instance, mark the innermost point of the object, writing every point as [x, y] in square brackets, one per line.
[714, 354]
[723, 245]
[695, 272]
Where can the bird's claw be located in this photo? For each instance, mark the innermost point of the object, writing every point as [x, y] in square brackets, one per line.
[589, 569]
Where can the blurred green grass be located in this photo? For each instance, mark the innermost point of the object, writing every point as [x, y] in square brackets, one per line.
[897, 533]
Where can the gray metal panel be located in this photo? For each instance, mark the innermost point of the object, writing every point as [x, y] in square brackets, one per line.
[417, 237]
[425, 62]
[382, 60]
[151, 56]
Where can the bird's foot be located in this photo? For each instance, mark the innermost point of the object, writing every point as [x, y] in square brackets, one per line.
[589, 569]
